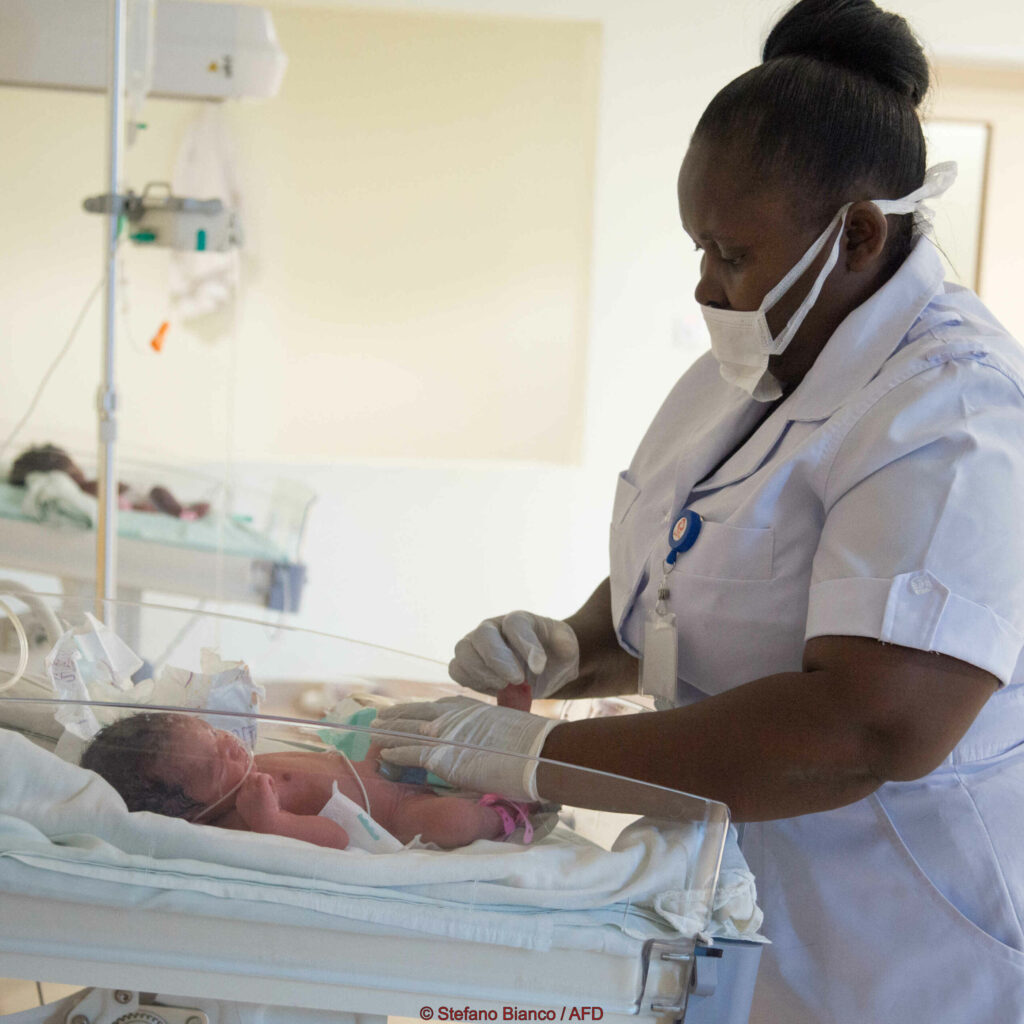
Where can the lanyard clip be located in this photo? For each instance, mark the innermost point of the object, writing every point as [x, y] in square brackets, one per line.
[683, 534]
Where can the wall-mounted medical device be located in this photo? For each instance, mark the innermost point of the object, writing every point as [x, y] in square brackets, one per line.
[158, 217]
[175, 48]
[129, 50]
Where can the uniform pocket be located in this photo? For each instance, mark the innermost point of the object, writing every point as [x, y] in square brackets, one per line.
[971, 895]
[730, 553]
[626, 493]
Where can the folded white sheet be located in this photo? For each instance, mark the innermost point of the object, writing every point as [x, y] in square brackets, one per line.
[60, 818]
[54, 498]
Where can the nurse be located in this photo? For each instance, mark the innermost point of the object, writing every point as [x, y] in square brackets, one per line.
[825, 522]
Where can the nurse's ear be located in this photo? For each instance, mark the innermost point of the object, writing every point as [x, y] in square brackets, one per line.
[865, 237]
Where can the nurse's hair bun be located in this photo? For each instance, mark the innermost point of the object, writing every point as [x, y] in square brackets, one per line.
[831, 113]
[856, 35]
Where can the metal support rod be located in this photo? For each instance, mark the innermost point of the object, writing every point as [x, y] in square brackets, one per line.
[106, 399]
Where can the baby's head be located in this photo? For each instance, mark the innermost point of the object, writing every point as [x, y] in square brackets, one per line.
[44, 458]
[173, 764]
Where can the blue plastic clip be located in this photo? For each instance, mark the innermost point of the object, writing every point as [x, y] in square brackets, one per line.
[684, 534]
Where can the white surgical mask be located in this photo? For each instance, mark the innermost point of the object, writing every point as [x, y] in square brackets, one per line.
[741, 340]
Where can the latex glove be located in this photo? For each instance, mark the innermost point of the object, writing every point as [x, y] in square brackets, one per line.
[515, 648]
[465, 720]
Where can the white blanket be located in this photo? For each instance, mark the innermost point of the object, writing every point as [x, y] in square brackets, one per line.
[54, 498]
[60, 818]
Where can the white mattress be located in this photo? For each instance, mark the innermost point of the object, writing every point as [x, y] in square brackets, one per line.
[65, 824]
[93, 895]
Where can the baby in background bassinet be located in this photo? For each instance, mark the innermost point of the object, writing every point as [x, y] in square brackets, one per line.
[179, 765]
[48, 458]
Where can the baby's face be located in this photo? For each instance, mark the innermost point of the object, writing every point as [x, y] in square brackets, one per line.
[207, 763]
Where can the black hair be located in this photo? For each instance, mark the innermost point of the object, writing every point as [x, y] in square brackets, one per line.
[126, 754]
[832, 108]
[41, 459]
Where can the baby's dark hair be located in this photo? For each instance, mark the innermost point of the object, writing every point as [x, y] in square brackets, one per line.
[43, 458]
[831, 109]
[126, 754]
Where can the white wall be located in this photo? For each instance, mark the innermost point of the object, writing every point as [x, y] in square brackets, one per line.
[662, 61]
[996, 97]
[498, 537]
[414, 554]
[479, 539]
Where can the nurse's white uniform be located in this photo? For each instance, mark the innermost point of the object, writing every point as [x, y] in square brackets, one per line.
[884, 497]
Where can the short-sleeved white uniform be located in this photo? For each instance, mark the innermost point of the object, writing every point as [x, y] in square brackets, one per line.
[884, 497]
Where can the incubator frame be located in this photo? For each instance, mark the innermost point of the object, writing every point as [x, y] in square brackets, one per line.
[309, 968]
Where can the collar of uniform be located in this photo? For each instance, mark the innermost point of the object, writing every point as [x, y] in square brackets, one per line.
[868, 337]
[852, 357]
[718, 416]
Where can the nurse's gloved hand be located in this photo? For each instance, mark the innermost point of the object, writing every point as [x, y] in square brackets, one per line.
[516, 648]
[469, 721]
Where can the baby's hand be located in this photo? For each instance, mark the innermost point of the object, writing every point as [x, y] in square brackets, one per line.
[257, 801]
[516, 695]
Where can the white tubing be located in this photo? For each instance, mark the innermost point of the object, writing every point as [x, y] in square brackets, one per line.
[54, 630]
[22, 640]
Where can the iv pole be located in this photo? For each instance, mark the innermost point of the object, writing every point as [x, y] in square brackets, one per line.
[106, 398]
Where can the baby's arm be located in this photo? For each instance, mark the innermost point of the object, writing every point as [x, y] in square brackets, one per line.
[258, 806]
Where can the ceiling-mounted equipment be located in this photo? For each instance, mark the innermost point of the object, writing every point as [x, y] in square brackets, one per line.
[205, 51]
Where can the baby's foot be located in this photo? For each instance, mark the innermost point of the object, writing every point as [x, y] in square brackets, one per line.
[512, 813]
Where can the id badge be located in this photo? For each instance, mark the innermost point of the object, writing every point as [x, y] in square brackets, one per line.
[658, 664]
[659, 661]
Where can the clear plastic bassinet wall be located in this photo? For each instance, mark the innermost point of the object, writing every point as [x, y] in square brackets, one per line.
[248, 750]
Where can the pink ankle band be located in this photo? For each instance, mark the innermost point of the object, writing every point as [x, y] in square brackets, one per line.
[512, 814]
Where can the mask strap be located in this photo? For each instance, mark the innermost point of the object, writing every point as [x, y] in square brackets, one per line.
[805, 261]
[794, 322]
[937, 180]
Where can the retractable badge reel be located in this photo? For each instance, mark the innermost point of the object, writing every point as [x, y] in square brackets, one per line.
[658, 665]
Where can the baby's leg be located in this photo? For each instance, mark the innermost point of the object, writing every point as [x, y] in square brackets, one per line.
[448, 821]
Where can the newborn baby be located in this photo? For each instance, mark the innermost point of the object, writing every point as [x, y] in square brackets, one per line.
[179, 765]
[48, 458]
